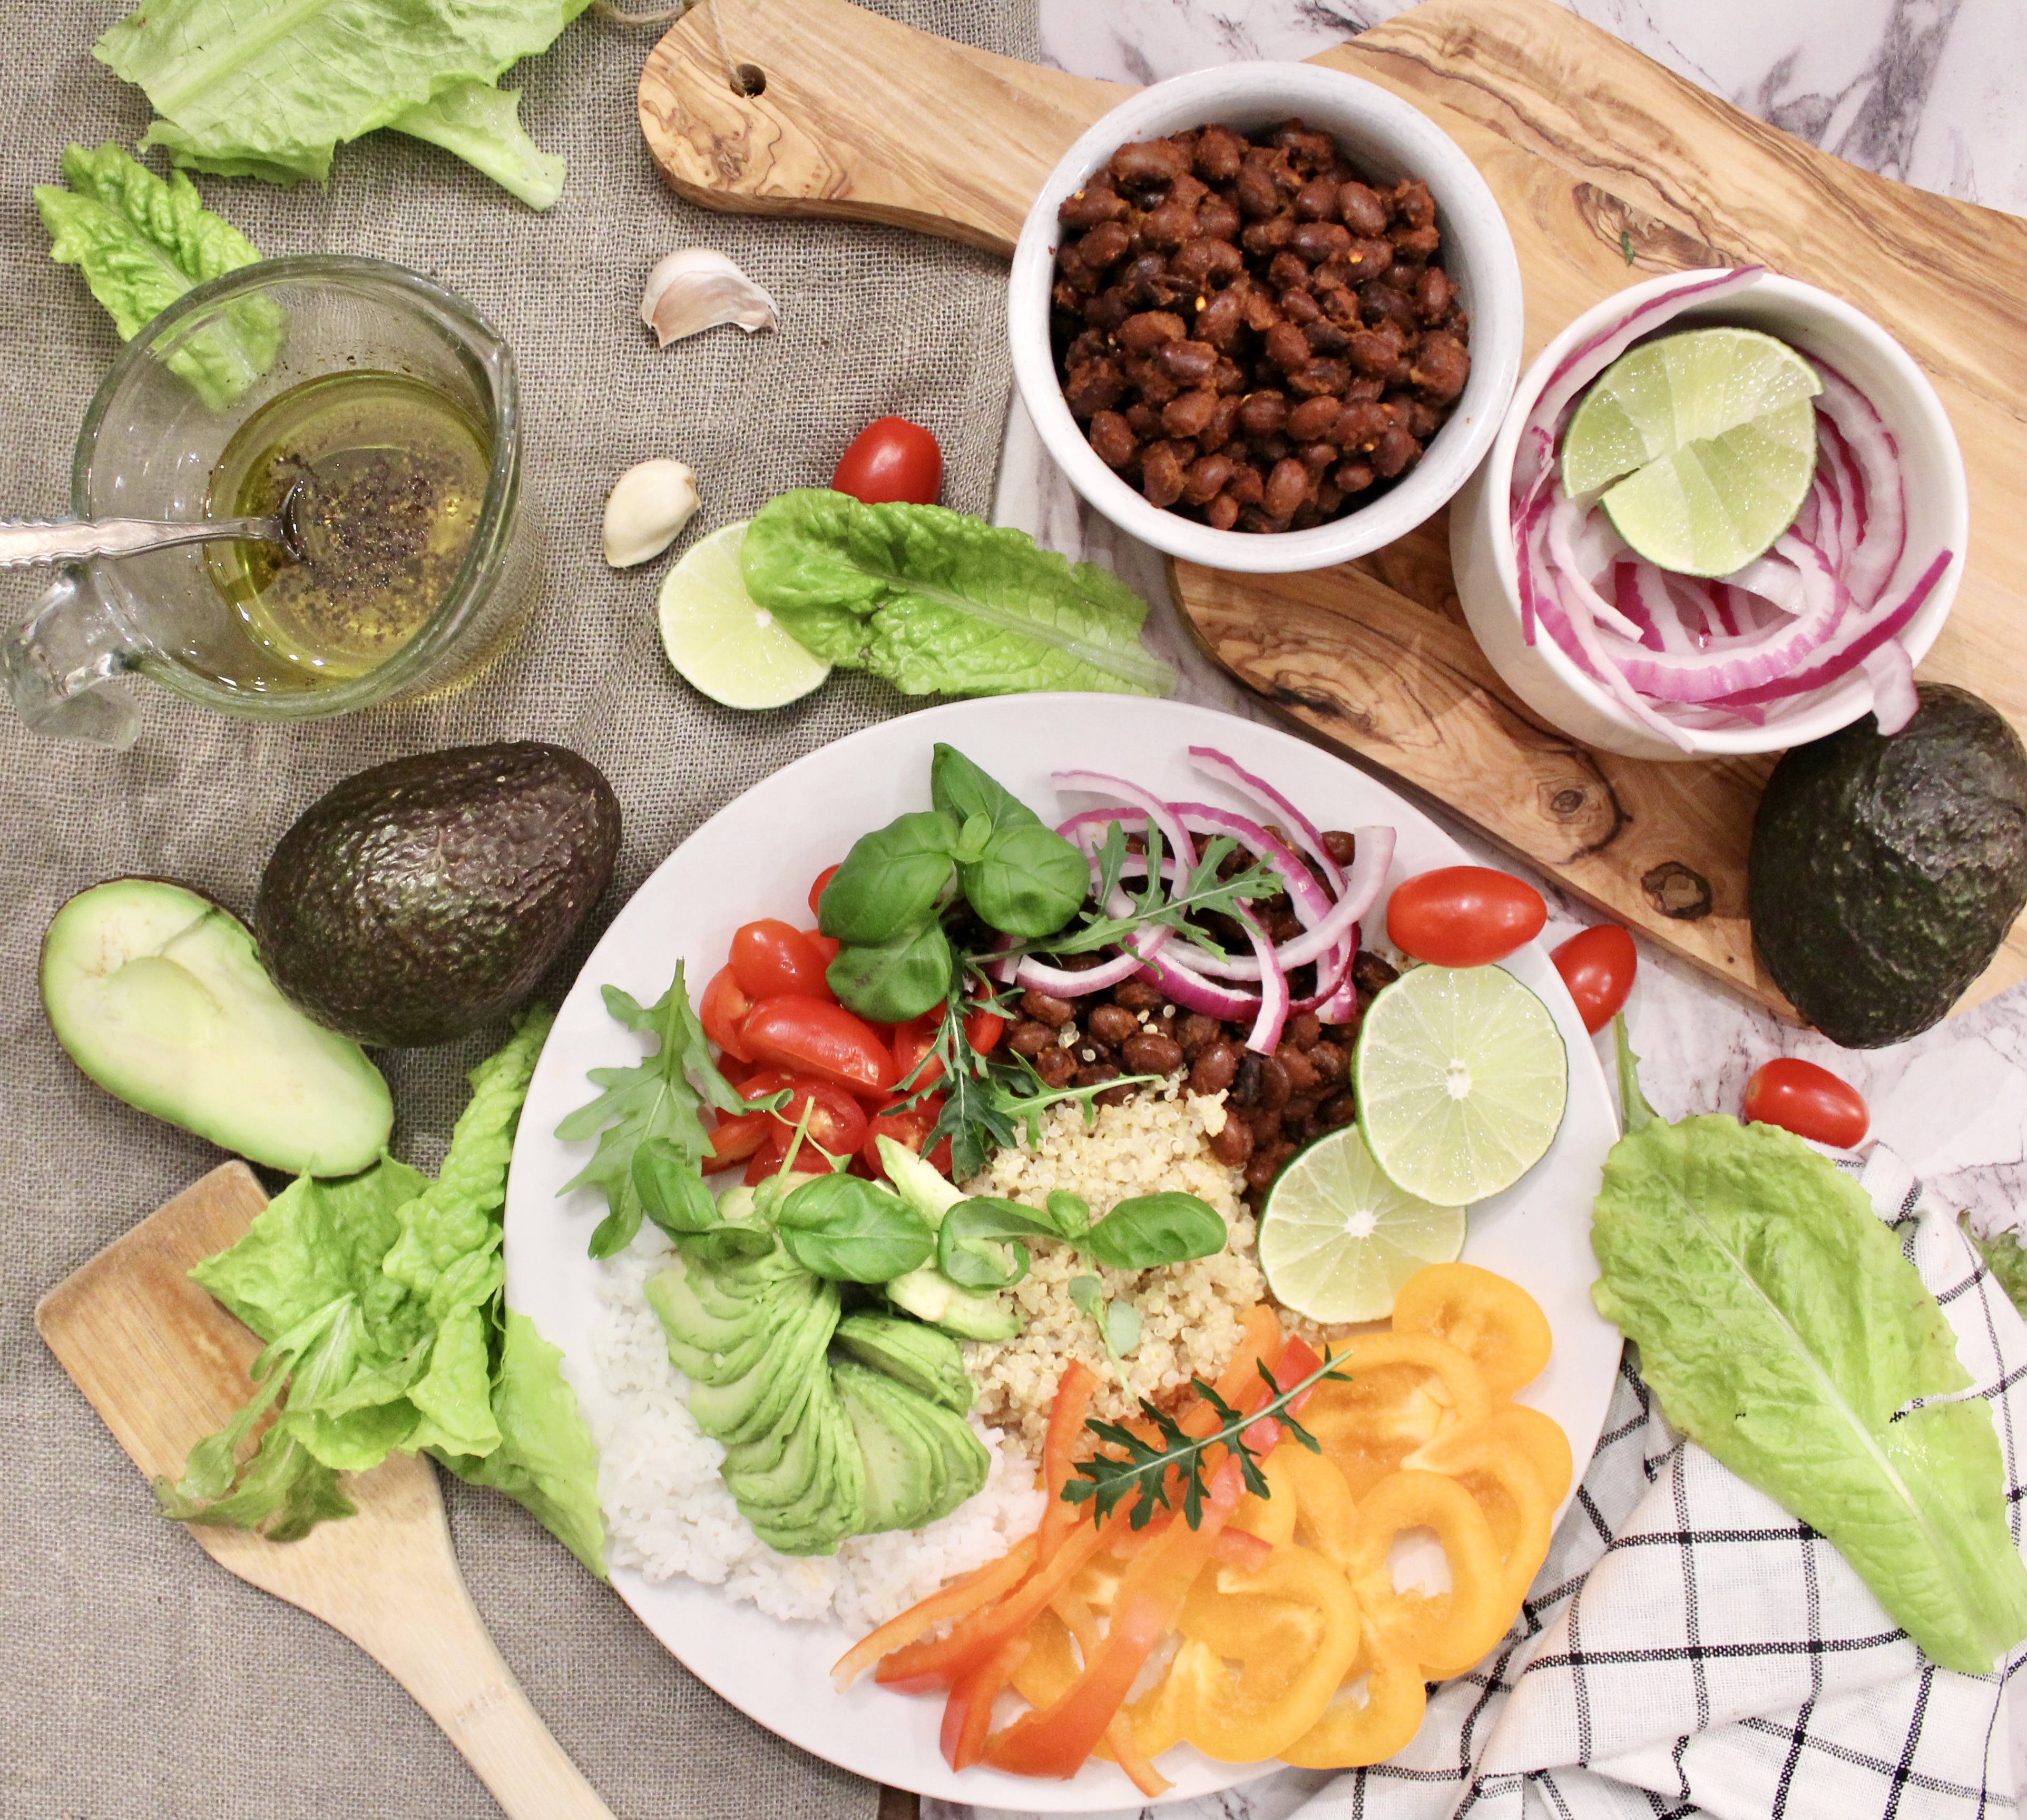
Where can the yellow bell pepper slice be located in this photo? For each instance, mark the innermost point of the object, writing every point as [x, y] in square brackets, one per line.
[1442, 1632]
[1497, 1322]
[1365, 1724]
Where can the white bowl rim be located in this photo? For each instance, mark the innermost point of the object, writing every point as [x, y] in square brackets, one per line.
[1497, 307]
[1828, 714]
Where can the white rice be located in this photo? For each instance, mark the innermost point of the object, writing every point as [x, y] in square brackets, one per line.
[669, 1513]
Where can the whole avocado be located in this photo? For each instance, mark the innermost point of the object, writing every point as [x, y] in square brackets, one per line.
[426, 898]
[1886, 872]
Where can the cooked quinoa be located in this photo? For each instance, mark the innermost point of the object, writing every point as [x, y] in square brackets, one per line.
[1190, 1312]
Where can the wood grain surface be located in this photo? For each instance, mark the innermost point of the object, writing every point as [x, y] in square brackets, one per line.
[164, 1366]
[1608, 167]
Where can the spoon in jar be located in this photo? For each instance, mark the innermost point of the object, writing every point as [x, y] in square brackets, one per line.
[71, 539]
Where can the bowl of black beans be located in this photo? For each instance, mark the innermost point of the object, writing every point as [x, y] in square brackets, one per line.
[1266, 317]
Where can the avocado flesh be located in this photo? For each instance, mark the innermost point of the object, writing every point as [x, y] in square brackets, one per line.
[423, 898]
[762, 1455]
[759, 1482]
[906, 1472]
[747, 1407]
[834, 1507]
[157, 993]
[918, 1181]
[709, 1350]
[1885, 872]
[930, 1295]
[966, 1462]
[924, 1358]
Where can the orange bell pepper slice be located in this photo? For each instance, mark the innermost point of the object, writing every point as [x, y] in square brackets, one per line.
[1074, 1390]
[968, 1711]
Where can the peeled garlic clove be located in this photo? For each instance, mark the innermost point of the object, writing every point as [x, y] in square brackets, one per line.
[698, 289]
[646, 510]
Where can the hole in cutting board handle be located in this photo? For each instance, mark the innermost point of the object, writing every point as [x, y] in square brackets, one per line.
[748, 79]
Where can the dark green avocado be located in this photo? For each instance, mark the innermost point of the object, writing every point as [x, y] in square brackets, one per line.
[424, 898]
[1886, 872]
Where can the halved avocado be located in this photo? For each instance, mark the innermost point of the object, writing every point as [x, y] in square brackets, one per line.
[966, 1462]
[906, 1472]
[924, 1358]
[747, 1407]
[834, 1507]
[766, 1453]
[157, 993]
[761, 1483]
[712, 1349]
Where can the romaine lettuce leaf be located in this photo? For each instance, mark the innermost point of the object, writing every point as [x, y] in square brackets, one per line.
[141, 243]
[938, 602]
[1785, 1333]
[246, 88]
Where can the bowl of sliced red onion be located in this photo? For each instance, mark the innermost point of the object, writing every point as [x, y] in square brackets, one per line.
[1826, 626]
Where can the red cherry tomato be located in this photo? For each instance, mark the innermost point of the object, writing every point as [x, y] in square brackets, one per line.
[1463, 916]
[1811, 1101]
[811, 1036]
[739, 1134]
[910, 1129]
[891, 460]
[912, 1044]
[983, 1030]
[721, 1009]
[826, 945]
[1598, 966]
[770, 959]
[817, 889]
[836, 1127]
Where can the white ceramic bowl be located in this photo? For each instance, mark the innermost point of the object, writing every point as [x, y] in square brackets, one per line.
[1388, 139]
[1938, 517]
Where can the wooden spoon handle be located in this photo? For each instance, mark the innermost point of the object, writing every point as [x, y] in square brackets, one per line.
[445, 1658]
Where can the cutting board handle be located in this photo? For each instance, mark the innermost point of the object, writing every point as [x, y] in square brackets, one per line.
[857, 118]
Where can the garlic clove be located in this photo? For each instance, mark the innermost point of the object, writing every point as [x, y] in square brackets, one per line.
[697, 288]
[646, 510]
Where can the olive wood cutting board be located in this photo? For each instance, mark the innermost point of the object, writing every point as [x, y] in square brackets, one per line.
[165, 1365]
[1609, 168]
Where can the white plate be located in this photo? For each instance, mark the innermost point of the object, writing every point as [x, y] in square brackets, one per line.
[756, 858]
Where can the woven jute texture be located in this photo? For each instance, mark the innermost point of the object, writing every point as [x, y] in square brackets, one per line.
[136, 1677]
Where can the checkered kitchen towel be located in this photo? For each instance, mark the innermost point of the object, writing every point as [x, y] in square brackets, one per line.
[1690, 1648]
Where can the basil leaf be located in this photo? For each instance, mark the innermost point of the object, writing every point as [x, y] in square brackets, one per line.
[971, 1247]
[892, 982]
[971, 840]
[960, 788]
[893, 879]
[1026, 880]
[1071, 1213]
[853, 1231]
[673, 1196]
[1151, 1230]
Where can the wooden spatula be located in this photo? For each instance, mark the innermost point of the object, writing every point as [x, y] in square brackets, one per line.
[165, 1365]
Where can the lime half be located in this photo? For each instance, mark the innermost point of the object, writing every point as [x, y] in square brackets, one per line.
[1461, 1078]
[720, 641]
[1714, 434]
[1338, 1239]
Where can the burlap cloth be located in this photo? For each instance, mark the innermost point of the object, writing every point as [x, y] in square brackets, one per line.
[136, 1677]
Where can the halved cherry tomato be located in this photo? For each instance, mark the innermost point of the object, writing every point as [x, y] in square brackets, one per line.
[826, 945]
[1811, 1101]
[912, 1044]
[1463, 916]
[771, 958]
[810, 1036]
[983, 1030]
[817, 889]
[910, 1129]
[738, 1135]
[837, 1125]
[1597, 965]
[891, 459]
[721, 1009]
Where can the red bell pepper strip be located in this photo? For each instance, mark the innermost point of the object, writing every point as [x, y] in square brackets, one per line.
[955, 1600]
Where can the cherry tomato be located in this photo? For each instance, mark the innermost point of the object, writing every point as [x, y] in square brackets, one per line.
[721, 1009]
[812, 1036]
[826, 945]
[910, 1129]
[770, 959]
[836, 1126]
[817, 889]
[983, 1030]
[890, 460]
[1597, 965]
[1811, 1101]
[912, 1044]
[1463, 916]
[739, 1134]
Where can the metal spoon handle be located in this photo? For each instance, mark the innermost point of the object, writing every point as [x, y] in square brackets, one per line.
[71, 540]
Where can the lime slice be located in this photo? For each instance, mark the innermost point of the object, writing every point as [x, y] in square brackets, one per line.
[1338, 1239]
[1460, 1077]
[720, 641]
[1713, 430]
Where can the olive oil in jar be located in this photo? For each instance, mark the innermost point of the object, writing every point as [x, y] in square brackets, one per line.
[393, 476]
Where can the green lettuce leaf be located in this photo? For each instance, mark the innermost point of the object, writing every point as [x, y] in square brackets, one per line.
[141, 243]
[2004, 1258]
[1785, 1333]
[546, 1459]
[246, 88]
[938, 602]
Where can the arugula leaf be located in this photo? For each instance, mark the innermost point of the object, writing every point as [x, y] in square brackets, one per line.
[938, 602]
[140, 244]
[656, 1098]
[1785, 1333]
[272, 93]
[1140, 1470]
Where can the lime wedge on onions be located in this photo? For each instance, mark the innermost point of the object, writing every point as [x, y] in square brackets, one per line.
[720, 641]
[1337, 1239]
[1461, 1078]
[1707, 442]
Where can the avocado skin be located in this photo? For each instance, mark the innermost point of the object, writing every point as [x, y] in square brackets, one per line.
[424, 898]
[1886, 872]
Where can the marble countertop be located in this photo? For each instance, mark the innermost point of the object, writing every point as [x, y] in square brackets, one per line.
[1923, 90]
